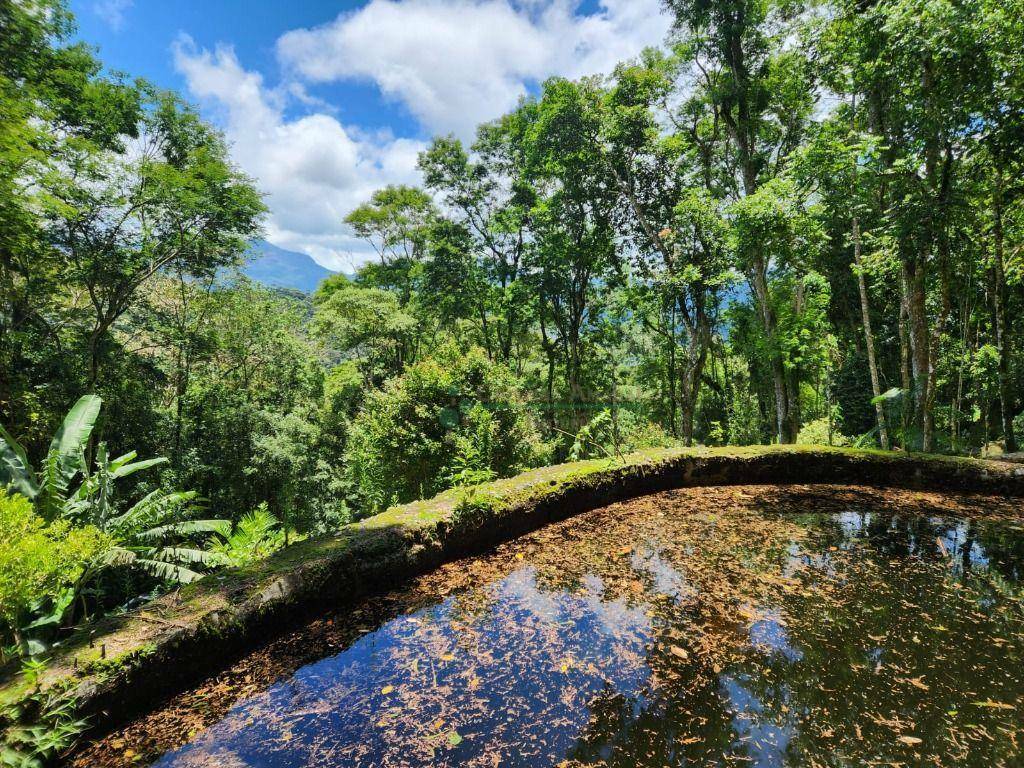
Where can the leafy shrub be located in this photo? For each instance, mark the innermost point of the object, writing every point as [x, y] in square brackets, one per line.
[39, 728]
[157, 534]
[445, 419]
[40, 563]
[816, 433]
[606, 436]
[71, 538]
[473, 510]
[257, 535]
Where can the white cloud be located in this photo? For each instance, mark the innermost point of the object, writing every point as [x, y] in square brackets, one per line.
[312, 169]
[112, 12]
[452, 63]
[456, 63]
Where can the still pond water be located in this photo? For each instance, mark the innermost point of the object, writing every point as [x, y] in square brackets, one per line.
[815, 626]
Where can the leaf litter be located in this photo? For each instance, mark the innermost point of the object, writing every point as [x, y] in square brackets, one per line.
[748, 626]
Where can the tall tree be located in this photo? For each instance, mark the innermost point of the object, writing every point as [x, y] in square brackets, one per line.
[173, 201]
[572, 218]
[492, 201]
[759, 91]
[669, 212]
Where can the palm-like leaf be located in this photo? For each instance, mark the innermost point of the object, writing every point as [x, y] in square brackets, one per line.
[15, 471]
[120, 467]
[114, 557]
[70, 441]
[167, 571]
[53, 488]
[166, 564]
[153, 509]
[188, 556]
[184, 529]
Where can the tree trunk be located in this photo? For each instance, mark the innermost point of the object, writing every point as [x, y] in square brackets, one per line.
[914, 289]
[1007, 401]
[869, 338]
[759, 283]
[906, 380]
[549, 351]
[693, 368]
[672, 400]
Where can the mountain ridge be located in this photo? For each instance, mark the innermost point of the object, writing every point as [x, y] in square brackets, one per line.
[280, 268]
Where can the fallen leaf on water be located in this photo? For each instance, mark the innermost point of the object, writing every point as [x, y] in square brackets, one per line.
[387, 689]
[917, 682]
[994, 704]
[454, 739]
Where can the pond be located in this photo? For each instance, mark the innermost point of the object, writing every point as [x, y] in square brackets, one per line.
[748, 626]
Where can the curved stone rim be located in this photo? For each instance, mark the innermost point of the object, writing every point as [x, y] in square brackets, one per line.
[126, 664]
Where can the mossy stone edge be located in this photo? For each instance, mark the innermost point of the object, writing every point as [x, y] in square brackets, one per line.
[126, 664]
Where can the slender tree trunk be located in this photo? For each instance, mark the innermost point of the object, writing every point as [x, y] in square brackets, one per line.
[693, 368]
[865, 309]
[869, 337]
[1007, 401]
[672, 402]
[549, 351]
[920, 351]
[759, 283]
[574, 365]
[958, 395]
[906, 380]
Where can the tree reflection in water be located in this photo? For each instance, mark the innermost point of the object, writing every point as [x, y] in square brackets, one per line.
[715, 627]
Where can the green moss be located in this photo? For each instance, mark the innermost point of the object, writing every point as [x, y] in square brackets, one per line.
[102, 668]
[215, 607]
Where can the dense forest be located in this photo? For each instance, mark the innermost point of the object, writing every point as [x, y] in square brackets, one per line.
[796, 222]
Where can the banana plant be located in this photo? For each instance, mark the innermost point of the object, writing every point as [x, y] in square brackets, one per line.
[157, 534]
[65, 458]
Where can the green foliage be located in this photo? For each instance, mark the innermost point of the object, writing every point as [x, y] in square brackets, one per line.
[821, 432]
[696, 243]
[609, 435]
[256, 535]
[40, 563]
[473, 509]
[368, 325]
[41, 727]
[157, 535]
[413, 436]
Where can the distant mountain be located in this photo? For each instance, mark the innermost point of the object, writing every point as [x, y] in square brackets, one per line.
[279, 268]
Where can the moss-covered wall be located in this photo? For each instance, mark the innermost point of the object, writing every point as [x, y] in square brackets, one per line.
[126, 664]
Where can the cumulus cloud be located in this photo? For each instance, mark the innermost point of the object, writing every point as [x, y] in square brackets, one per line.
[313, 169]
[452, 63]
[456, 63]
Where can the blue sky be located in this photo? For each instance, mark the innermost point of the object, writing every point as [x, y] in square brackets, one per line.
[323, 102]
